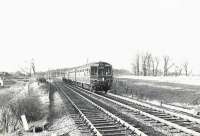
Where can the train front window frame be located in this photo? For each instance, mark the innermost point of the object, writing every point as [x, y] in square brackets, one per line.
[93, 70]
[101, 72]
[108, 70]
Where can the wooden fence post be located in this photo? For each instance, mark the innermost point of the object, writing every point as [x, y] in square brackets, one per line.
[132, 93]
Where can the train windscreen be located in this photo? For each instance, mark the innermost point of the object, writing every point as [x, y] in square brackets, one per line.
[93, 70]
[104, 71]
[108, 70]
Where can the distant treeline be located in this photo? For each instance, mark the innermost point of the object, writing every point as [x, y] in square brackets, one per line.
[146, 64]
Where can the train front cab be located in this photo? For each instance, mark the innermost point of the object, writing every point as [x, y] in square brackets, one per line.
[101, 77]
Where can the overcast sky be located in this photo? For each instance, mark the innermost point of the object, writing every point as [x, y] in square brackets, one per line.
[67, 33]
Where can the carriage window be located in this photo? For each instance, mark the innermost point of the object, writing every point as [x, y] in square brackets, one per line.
[93, 70]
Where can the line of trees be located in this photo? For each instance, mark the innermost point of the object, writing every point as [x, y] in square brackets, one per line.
[148, 65]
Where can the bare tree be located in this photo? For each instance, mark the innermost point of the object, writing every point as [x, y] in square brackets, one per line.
[149, 60]
[155, 63]
[137, 64]
[153, 66]
[178, 70]
[186, 68]
[146, 63]
[134, 69]
[167, 65]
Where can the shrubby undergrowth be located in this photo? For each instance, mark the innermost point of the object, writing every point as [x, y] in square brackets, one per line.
[10, 114]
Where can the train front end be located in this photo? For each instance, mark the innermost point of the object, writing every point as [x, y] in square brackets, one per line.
[101, 76]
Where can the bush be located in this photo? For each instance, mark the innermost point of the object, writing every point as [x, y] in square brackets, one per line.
[30, 106]
[4, 98]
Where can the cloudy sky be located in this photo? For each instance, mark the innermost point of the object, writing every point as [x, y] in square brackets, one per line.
[67, 33]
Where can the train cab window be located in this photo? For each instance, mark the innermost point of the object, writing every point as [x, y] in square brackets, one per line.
[108, 70]
[100, 72]
[93, 70]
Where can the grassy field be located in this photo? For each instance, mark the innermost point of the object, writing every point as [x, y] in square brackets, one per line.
[160, 91]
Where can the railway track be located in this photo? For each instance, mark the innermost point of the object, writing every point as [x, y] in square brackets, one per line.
[179, 118]
[98, 120]
[78, 123]
[171, 109]
[164, 121]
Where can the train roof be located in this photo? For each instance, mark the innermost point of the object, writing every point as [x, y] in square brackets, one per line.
[97, 63]
[89, 64]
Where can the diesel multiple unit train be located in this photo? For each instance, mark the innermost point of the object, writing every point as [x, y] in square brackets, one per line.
[96, 76]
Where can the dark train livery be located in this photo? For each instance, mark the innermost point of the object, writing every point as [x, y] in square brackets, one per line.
[96, 76]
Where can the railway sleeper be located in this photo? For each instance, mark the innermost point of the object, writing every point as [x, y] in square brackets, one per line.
[103, 124]
[169, 118]
[160, 124]
[162, 115]
[151, 110]
[165, 117]
[185, 124]
[89, 110]
[100, 121]
[92, 115]
[197, 129]
[115, 134]
[96, 118]
[112, 130]
[108, 127]
[177, 121]
[181, 121]
[148, 119]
